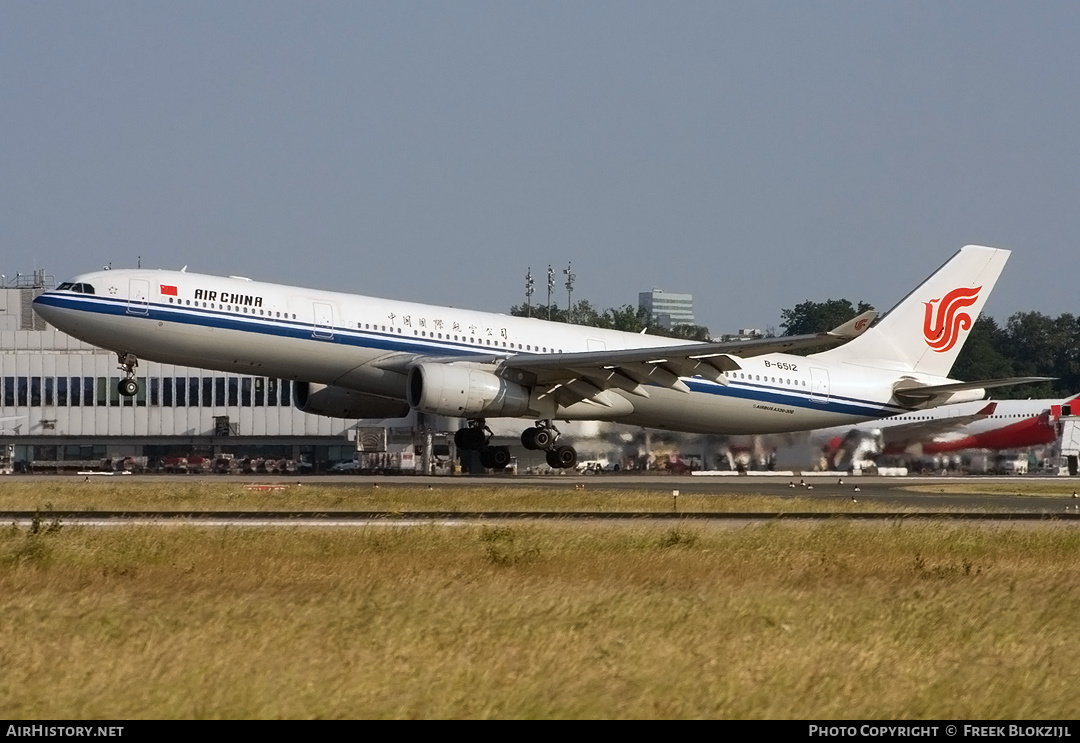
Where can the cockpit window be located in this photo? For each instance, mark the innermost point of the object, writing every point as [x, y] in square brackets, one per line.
[79, 288]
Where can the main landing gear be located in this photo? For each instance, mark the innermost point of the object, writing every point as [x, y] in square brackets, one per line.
[127, 386]
[476, 437]
[545, 436]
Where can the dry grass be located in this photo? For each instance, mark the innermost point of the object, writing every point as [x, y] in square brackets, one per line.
[211, 495]
[779, 620]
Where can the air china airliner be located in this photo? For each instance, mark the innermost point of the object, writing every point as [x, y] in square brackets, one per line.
[362, 357]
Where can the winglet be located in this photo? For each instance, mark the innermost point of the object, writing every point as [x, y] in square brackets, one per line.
[988, 410]
[854, 327]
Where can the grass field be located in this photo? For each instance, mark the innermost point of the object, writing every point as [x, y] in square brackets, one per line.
[781, 620]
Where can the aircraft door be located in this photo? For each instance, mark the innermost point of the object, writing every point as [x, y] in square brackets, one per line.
[819, 384]
[324, 321]
[138, 297]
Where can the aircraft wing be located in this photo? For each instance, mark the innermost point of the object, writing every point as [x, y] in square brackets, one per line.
[632, 368]
[930, 429]
[581, 376]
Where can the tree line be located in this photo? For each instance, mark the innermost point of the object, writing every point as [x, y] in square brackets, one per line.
[628, 318]
[1028, 344]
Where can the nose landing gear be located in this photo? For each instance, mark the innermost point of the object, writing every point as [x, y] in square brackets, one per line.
[128, 386]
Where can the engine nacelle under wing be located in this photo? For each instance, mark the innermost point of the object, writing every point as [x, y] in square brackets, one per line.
[338, 402]
[464, 392]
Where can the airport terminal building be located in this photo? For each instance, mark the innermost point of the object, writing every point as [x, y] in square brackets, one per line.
[60, 408]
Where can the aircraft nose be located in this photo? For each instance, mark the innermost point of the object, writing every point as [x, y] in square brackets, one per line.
[44, 310]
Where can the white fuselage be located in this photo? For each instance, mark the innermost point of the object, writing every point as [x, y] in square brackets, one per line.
[360, 343]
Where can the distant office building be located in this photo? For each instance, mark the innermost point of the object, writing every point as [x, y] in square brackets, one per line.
[668, 309]
[742, 334]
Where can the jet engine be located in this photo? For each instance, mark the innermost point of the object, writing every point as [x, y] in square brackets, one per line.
[338, 402]
[464, 392]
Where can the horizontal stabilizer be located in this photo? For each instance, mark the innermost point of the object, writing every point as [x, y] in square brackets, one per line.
[917, 394]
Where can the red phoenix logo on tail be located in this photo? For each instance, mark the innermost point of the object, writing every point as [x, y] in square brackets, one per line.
[943, 330]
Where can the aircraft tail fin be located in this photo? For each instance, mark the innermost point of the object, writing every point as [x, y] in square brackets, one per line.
[1066, 408]
[925, 331]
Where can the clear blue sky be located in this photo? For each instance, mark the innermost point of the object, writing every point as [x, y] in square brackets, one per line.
[755, 154]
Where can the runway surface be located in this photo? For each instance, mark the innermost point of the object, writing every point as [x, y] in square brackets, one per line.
[383, 520]
[985, 503]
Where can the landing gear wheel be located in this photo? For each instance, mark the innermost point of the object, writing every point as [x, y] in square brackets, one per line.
[538, 437]
[565, 456]
[543, 438]
[470, 439]
[500, 457]
[495, 457]
[127, 387]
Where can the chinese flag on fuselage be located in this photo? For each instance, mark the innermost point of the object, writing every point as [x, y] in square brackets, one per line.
[168, 290]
